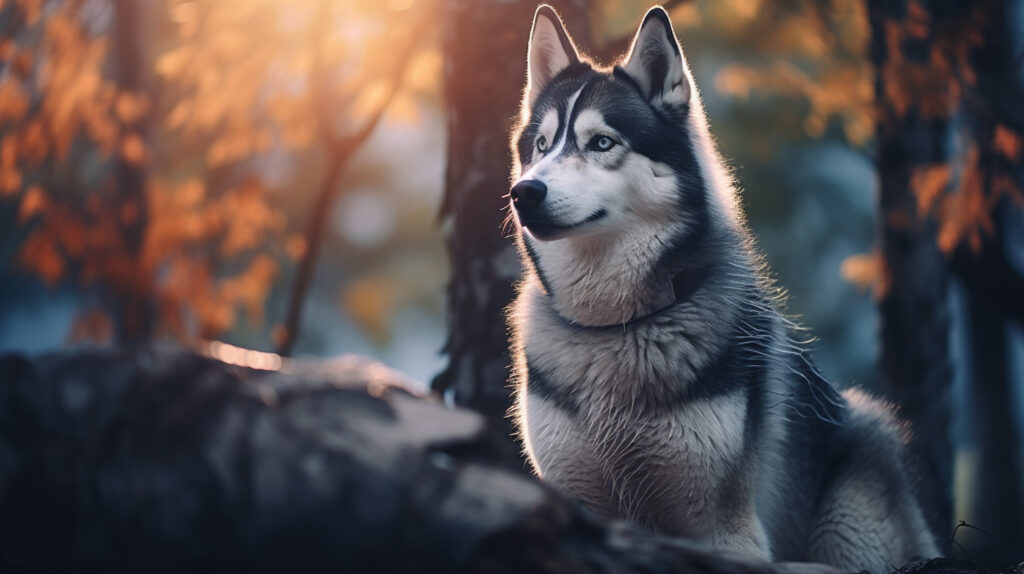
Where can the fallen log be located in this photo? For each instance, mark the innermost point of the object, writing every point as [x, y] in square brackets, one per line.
[167, 461]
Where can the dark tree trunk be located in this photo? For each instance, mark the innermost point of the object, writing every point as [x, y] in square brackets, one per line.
[998, 507]
[990, 277]
[485, 69]
[914, 311]
[133, 305]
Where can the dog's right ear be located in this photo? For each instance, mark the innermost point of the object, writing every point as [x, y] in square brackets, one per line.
[551, 51]
[656, 62]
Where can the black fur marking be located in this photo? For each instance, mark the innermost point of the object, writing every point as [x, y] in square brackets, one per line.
[531, 253]
[757, 330]
[741, 362]
[824, 403]
[556, 95]
[539, 385]
[619, 74]
[813, 446]
[685, 285]
[656, 63]
[571, 144]
[666, 23]
[541, 226]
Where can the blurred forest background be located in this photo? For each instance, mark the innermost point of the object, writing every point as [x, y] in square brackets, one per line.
[325, 177]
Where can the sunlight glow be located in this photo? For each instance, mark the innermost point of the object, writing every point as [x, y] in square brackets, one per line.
[243, 357]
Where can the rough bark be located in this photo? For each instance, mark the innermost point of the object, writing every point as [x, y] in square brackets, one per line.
[163, 461]
[484, 45]
[913, 310]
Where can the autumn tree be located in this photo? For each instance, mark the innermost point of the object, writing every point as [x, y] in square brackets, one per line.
[65, 123]
[93, 208]
[278, 80]
[138, 147]
[341, 147]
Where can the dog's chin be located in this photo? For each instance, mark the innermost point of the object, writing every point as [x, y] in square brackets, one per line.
[546, 230]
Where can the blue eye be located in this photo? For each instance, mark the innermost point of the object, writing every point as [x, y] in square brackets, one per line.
[601, 143]
[542, 144]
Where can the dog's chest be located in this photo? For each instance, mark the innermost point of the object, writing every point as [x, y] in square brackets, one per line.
[618, 439]
[659, 471]
[617, 417]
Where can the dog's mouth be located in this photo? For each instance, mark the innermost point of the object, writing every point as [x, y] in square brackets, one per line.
[547, 230]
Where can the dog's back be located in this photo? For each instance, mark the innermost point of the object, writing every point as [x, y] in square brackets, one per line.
[656, 380]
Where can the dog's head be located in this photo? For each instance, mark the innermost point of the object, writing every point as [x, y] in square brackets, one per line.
[600, 151]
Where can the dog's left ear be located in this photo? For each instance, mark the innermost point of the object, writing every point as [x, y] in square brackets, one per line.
[551, 51]
[655, 61]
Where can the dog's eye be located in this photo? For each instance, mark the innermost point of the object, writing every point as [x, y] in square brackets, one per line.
[542, 144]
[601, 143]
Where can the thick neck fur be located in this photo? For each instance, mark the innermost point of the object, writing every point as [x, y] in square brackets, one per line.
[605, 280]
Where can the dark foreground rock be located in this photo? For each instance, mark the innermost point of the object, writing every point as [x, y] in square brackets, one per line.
[166, 461]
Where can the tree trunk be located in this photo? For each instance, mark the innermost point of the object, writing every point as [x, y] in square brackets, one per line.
[134, 310]
[998, 506]
[914, 312]
[998, 491]
[485, 70]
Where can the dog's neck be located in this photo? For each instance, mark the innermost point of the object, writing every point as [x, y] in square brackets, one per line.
[600, 281]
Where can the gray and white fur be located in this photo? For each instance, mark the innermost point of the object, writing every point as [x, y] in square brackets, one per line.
[657, 382]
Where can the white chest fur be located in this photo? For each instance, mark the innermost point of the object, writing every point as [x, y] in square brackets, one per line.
[662, 472]
[659, 467]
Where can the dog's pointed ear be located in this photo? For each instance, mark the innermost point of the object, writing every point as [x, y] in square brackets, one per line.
[551, 51]
[655, 61]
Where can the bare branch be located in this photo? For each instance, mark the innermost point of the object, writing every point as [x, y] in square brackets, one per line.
[340, 149]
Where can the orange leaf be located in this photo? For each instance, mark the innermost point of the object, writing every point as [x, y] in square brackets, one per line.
[39, 254]
[928, 183]
[1007, 142]
[133, 150]
[33, 203]
[13, 101]
[130, 107]
[866, 271]
[296, 246]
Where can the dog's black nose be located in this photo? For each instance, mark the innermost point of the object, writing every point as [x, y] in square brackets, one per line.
[528, 193]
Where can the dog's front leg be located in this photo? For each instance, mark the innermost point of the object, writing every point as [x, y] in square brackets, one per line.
[727, 523]
[745, 535]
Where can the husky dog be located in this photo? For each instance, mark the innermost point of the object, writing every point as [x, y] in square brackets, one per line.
[656, 380]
